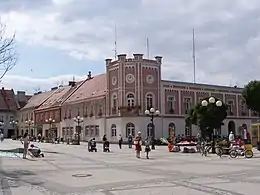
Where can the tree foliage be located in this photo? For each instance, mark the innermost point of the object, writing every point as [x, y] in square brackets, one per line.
[8, 55]
[251, 94]
[207, 117]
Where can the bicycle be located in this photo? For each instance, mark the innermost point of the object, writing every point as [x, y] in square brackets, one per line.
[234, 152]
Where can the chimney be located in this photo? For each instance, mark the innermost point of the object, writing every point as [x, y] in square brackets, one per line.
[21, 97]
[72, 83]
[54, 88]
[138, 56]
[89, 75]
[121, 57]
[158, 59]
[108, 61]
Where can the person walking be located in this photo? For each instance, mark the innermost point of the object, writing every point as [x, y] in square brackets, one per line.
[120, 141]
[130, 141]
[231, 139]
[25, 141]
[104, 141]
[138, 144]
[147, 147]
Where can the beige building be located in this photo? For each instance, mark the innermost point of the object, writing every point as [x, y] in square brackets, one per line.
[26, 115]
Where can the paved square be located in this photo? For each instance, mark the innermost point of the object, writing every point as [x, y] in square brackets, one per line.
[65, 167]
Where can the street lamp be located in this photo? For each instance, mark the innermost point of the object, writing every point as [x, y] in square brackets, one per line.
[50, 121]
[78, 120]
[217, 103]
[152, 113]
[13, 123]
[2, 128]
[29, 123]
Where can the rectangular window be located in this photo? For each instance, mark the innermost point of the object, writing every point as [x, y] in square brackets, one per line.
[230, 107]
[11, 118]
[96, 130]
[86, 131]
[188, 131]
[92, 130]
[171, 102]
[187, 104]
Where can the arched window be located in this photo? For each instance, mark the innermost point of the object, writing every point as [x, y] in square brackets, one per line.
[114, 101]
[130, 99]
[150, 130]
[113, 130]
[130, 129]
[171, 128]
[149, 101]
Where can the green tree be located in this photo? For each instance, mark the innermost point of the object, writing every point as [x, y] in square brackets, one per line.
[251, 94]
[207, 117]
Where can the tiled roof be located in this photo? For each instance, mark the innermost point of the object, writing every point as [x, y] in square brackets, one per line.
[7, 100]
[59, 96]
[37, 100]
[94, 87]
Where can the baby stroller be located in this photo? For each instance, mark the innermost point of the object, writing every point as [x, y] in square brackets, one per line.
[92, 146]
[35, 151]
[106, 146]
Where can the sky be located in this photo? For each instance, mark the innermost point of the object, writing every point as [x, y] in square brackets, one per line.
[57, 40]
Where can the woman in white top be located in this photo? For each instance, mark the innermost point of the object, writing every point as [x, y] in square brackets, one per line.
[25, 141]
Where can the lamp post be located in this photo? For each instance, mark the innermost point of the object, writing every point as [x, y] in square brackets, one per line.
[78, 120]
[29, 123]
[2, 127]
[152, 113]
[218, 103]
[50, 121]
[13, 123]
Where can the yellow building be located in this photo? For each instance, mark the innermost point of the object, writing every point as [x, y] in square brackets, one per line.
[255, 133]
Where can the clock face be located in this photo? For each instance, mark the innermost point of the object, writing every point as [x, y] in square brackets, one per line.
[149, 79]
[130, 78]
[114, 80]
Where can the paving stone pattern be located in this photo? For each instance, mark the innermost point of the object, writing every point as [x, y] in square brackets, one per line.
[71, 170]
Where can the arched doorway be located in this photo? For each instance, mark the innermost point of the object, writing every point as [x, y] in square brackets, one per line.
[231, 127]
[171, 127]
[130, 129]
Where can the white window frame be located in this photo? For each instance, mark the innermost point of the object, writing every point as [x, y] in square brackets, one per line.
[187, 103]
[149, 99]
[114, 100]
[171, 100]
[130, 98]
[130, 129]
[149, 130]
[113, 130]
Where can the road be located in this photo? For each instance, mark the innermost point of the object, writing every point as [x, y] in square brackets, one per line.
[68, 169]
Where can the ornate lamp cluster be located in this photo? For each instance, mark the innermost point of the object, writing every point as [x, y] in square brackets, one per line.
[212, 100]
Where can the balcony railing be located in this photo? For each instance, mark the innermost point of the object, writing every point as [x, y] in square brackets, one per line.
[129, 110]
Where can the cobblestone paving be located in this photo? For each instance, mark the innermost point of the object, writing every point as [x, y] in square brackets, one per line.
[63, 171]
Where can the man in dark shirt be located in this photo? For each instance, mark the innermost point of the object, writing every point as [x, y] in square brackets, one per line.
[104, 140]
[130, 141]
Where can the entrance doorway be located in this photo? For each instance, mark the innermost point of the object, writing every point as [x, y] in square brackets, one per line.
[10, 133]
[231, 127]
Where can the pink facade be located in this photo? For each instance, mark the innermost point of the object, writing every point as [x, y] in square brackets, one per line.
[132, 85]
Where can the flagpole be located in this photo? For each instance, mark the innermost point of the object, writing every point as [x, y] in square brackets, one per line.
[193, 55]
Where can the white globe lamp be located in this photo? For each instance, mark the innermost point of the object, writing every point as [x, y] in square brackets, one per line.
[157, 112]
[204, 103]
[147, 112]
[218, 103]
[212, 100]
[152, 110]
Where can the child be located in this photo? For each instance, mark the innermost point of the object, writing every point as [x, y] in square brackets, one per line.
[147, 147]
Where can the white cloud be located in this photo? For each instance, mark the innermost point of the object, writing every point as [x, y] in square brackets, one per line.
[31, 85]
[227, 34]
